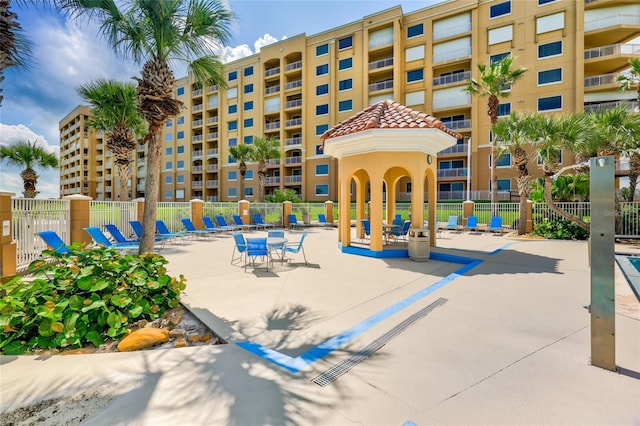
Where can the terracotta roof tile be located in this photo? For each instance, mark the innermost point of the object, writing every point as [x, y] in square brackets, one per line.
[386, 114]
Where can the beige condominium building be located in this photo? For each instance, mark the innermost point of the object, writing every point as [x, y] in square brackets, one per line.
[296, 89]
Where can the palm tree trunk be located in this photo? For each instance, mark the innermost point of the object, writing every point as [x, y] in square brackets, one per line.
[123, 172]
[523, 191]
[549, 200]
[29, 180]
[634, 172]
[154, 157]
[262, 179]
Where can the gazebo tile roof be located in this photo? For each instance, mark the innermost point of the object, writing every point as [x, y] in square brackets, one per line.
[386, 114]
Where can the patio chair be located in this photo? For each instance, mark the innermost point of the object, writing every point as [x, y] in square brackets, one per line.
[257, 247]
[293, 222]
[366, 228]
[191, 229]
[495, 225]
[452, 223]
[296, 248]
[260, 224]
[100, 239]
[240, 246]
[401, 233]
[54, 241]
[137, 229]
[322, 220]
[162, 229]
[208, 224]
[222, 223]
[238, 221]
[472, 223]
[118, 236]
[275, 233]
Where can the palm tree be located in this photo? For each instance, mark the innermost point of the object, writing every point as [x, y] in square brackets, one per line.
[495, 83]
[116, 113]
[241, 153]
[28, 155]
[624, 83]
[264, 149]
[14, 47]
[513, 134]
[156, 32]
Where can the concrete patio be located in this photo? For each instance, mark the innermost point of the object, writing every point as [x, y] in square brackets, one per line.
[503, 338]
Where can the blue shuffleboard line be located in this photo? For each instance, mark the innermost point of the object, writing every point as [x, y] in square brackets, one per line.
[298, 363]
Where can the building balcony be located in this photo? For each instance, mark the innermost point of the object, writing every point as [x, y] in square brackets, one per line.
[601, 82]
[273, 162]
[99, 157]
[140, 187]
[197, 92]
[212, 168]
[380, 86]
[614, 57]
[381, 63]
[452, 173]
[212, 88]
[212, 120]
[272, 89]
[211, 198]
[290, 142]
[451, 31]
[196, 154]
[140, 162]
[141, 148]
[291, 161]
[108, 188]
[455, 150]
[297, 179]
[453, 55]
[212, 136]
[196, 184]
[293, 122]
[293, 104]
[272, 126]
[109, 176]
[293, 85]
[272, 180]
[611, 29]
[458, 124]
[293, 66]
[197, 123]
[272, 71]
[197, 138]
[196, 169]
[213, 183]
[452, 78]
[212, 152]
[451, 100]
[631, 105]
[197, 107]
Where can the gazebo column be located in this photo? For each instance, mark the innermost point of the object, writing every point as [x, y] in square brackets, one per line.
[361, 202]
[417, 201]
[344, 211]
[433, 205]
[376, 213]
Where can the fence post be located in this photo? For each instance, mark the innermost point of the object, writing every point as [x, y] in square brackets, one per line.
[197, 209]
[467, 209]
[243, 211]
[80, 216]
[139, 208]
[286, 211]
[328, 211]
[529, 226]
[8, 246]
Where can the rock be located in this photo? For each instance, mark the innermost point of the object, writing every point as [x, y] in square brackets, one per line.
[177, 332]
[175, 319]
[199, 338]
[142, 339]
[79, 351]
[180, 343]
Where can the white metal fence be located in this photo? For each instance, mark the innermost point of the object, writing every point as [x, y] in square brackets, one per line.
[172, 213]
[118, 213]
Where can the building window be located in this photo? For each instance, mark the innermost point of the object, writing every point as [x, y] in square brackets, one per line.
[232, 125]
[180, 149]
[248, 71]
[233, 141]
[322, 69]
[248, 140]
[232, 175]
[504, 184]
[500, 9]
[319, 150]
[168, 151]
[344, 64]
[179, 194]
[550, 49]
[322, 190]
[248, 191]
[181, 120]
[323, 49]
[233, 75]
[180, 164]
[232, 93]
[452, 164]
[550, 103]
[168, 193]
[181, 134]
[180, 179]
[232, 109]
[168, 137]
[321, 128]
[322, 89]
[494, 59]
[168, 165]
[180, 91]
[415, 30]
[415, 75]
[248, 122]
[231, 160]
[232, 192]
[503, 161]
[248, 106]
[504, 109]
[345, 105]
[550, 76]
[500, 35]
[322, 169]
[168, 180]
[345, 84]
[169, 123]
[345, 43]
[543, 2]
[248, 175]
[322, 109]
[248, 88]
[545, 24]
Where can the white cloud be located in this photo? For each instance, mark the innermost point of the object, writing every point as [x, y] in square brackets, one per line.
[10, 180]
[264, 41]
[229, 54]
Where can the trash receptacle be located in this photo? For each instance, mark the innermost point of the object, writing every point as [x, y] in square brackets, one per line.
[418, 240]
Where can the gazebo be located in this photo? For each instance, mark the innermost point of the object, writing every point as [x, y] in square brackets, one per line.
[379, 146]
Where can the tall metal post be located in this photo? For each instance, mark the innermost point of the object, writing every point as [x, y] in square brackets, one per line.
[602, 255]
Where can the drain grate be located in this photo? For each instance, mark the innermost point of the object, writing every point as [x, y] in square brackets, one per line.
[339, 369]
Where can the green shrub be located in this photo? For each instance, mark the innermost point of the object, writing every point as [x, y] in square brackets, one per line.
[560, 229]
[87, 296]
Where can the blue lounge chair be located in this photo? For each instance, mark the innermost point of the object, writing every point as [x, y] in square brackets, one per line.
[296, 247]
[54, 241]
[137, 229]
[208, 224]
[118, 236]
[191, 229]
[401, 233]
[495, 225]
[322, 220]
[257, 219]
[222, 223]
[100, 239]
[293, 222]
[452, 223]
[472, 223]
[257, 247]
[366, 228]
[239, 223]
[162, 229]
[240, 246]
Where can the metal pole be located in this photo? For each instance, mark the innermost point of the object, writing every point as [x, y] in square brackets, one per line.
[469, 169]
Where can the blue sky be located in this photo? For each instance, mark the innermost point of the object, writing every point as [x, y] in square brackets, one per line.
[67, 53]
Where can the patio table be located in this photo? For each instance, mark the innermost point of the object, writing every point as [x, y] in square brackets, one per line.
[277, 244]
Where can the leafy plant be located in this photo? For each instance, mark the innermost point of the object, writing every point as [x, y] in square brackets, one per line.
[560, 229]
[86, 297]
[286, 195]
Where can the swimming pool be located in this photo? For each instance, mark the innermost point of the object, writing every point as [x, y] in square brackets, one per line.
[630, 266]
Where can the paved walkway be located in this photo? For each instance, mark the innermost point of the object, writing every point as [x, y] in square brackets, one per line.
[504, 339]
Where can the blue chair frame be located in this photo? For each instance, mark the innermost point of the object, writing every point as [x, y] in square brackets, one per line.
[54, 241]
[472, 223]
[261, 224]
[100, 239]
[257, 247]
[240, 245]
[299, 247]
